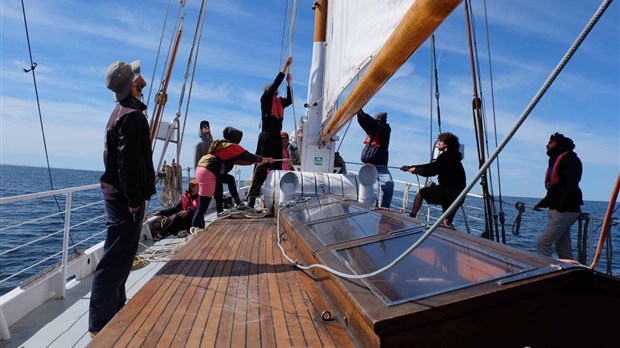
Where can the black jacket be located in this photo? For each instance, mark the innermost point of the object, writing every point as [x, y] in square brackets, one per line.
[127, 156]
[269, 123]
[447, 167]
[565, 195]
[377, 141]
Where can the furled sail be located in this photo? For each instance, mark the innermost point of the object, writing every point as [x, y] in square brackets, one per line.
[356, 31]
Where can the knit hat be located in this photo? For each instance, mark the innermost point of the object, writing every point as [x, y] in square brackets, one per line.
[120, 76]
[381, 117]
[202, 123]
[556, 136]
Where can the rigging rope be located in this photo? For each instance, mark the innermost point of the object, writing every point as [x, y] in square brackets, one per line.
[290, 53]
[172, 184]
[492, 88]
[516, 227]
[161, 40]
[33, 66]
[479, 119]
[161, 99]
[192, 57]
[434, 62]
[582, 238]
[301, 199]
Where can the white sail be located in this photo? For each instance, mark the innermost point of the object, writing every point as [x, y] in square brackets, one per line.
[356, 31]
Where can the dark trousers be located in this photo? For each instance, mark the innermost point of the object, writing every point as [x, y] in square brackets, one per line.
[199, 216]
[178, 224]
[258, 179]
[229, 180]
[119, 250]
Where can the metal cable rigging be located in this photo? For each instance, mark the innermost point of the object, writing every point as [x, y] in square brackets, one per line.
[33, 66]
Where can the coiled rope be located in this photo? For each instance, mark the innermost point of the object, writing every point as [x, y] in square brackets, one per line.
[244, 212]
[166, 252]
[516, 227]
[172, 185]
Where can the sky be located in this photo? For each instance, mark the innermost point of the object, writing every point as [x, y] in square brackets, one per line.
[243, 46]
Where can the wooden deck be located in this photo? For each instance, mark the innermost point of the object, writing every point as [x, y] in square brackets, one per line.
[230, 286]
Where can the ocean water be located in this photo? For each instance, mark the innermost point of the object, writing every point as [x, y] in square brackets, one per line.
[19, 180]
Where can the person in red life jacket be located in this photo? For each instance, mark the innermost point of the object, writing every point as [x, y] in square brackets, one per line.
[289, 152]
[220, 159]
[269, 140]
[183, 212]
[375, 150]
[450, 175]
[563, 198]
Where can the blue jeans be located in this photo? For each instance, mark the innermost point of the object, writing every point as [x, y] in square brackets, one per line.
[387, 185]
[119, 250]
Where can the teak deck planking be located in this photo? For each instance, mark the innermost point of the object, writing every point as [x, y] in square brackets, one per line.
[229, 286]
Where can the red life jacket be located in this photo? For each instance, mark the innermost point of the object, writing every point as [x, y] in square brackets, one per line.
[373, 142]
[552, 177]
[185, 202]
[276, 107]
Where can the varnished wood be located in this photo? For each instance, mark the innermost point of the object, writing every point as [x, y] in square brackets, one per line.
[529, 310]
[229, 286]
[320, 20]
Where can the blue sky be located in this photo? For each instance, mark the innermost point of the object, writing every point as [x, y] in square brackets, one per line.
[74, 41]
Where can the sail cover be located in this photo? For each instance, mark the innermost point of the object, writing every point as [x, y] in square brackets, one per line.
[356, 32]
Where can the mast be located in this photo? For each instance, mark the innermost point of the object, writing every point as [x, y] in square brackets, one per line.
[420, 21]
[313, 157]
[479, 130]
[162, 96]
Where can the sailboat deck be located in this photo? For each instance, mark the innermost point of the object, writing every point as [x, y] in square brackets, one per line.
[230, 286]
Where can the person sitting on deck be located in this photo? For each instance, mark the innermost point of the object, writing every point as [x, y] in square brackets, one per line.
[182, 213]
[220, 159]
[450, 174]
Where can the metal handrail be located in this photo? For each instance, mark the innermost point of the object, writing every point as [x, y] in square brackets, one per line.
[68, 193]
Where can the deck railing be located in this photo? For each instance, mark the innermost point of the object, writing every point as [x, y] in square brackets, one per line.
[47, 238]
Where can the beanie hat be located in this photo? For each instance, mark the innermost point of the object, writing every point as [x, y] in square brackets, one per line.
[381, 116]
[120, 76]
[203, 123]
[232, 134]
